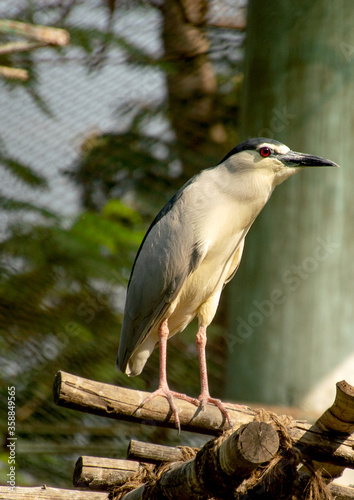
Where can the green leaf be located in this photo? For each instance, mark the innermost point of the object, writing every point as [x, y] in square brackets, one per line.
[23, 172]
[14, 205]
[118, 210]
[111, 234]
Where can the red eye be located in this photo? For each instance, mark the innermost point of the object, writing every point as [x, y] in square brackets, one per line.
[265, 152]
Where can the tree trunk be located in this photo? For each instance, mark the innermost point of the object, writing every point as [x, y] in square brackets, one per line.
[192, 86]
[291, 320]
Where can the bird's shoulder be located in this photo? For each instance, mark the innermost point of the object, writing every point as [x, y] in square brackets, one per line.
[170, 251]
[171, 237]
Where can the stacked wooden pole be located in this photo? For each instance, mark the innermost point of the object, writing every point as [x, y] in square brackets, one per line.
[244, 460]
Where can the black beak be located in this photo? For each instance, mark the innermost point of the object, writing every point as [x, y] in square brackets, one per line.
[293, 159]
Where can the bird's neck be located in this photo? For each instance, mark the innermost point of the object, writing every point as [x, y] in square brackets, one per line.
[252, 187]
[284, 173]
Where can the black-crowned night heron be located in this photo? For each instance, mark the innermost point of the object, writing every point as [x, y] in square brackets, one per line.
[192, 249]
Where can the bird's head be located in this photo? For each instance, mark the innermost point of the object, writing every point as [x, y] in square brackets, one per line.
[272, 156]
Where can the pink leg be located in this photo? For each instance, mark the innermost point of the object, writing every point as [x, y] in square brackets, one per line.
[205, 397]
[163, 389]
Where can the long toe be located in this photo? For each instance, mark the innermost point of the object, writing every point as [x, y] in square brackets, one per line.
[184, 397]
[206, 398]
[166, 393]
[170, 395]
[239, 407]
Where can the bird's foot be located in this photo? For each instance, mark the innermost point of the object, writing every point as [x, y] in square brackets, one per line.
[206, 398]
[240, 407]
[164, 390]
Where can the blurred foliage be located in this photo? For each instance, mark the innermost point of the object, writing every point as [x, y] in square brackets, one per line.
[108, 169]
[59, 294]
[62, 282]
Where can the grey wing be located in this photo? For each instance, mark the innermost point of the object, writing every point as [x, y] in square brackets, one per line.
[168, 254]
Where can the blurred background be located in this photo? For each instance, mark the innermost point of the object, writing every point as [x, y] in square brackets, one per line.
[96, 135]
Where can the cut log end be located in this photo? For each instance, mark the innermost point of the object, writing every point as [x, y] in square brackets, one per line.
[251, 445]
[340, 416]
[259, 442]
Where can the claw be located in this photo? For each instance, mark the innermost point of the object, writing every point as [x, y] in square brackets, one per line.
[170, 395]
[206, 398]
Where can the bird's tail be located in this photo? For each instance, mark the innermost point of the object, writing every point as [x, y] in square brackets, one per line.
[132, 364]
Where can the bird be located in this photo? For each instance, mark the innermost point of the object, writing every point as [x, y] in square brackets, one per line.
[192, 249]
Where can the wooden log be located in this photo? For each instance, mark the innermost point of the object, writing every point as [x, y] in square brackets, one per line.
[126, 468]
[77, 393]
[341, 492]
[340, 416]
[337, 421]
[338, 492]
[96, 473]
[153, 453]
[45, 493]
[101, 473]
[248, 447]
[218, 467]
[114, 402]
